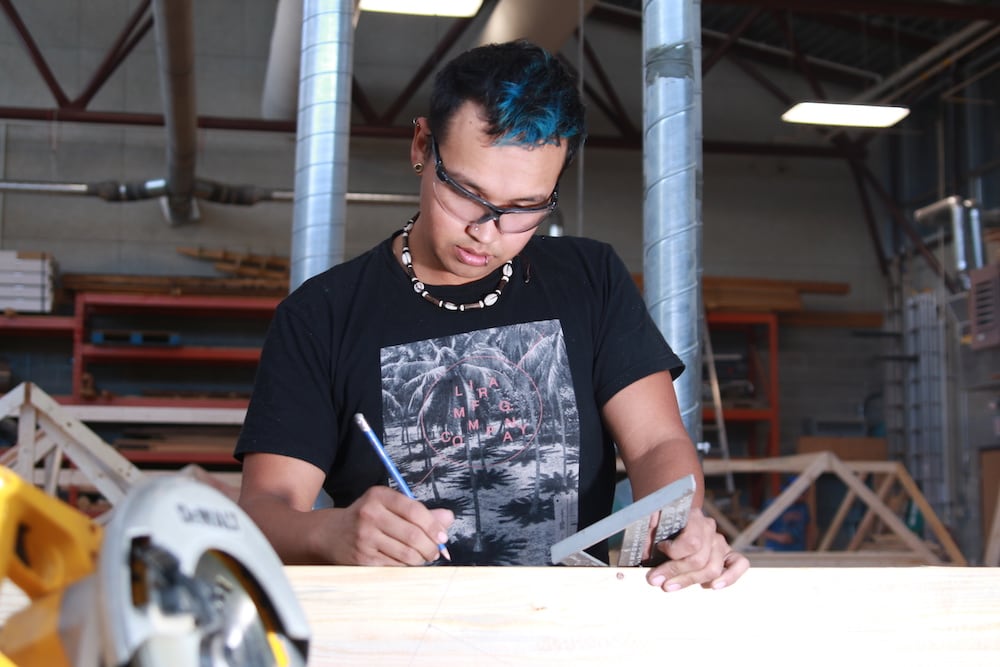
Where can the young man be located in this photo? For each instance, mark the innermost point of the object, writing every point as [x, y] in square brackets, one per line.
[499, 367]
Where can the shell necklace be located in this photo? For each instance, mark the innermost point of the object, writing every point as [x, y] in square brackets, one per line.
[486, 301]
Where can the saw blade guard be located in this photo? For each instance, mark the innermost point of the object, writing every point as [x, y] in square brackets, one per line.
[186, 577]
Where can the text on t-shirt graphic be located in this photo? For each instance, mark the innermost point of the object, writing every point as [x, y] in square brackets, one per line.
[485, 423]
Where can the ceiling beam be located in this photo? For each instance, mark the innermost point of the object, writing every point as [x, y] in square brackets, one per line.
[939, 10]
[781, 150]
[444, 45]
[609, 90]
[734, 35]
[127, 39]
[761, 54]
[398, 132]
[781, 59]
[34, 52]
[864, 27]
[785, 25]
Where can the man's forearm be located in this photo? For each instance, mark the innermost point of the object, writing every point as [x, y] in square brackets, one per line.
[663, 464]
[292, 533]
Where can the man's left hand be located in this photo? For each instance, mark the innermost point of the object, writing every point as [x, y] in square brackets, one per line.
[698, 555]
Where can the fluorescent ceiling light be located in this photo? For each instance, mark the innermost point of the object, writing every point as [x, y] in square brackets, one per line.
[851, 115]
[424, 7]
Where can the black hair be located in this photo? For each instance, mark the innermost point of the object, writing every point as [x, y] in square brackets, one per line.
[527, 95]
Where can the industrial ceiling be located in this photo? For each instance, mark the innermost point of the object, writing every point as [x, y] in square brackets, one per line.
[883, 50]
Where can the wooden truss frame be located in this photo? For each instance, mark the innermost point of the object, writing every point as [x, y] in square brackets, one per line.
[47, 434]
[886, 477]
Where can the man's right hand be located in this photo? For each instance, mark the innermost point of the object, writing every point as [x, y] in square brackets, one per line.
[384, 527]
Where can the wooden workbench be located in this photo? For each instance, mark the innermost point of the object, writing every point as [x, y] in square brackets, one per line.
[608, 616]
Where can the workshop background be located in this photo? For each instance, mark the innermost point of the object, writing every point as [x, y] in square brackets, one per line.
[839, 264]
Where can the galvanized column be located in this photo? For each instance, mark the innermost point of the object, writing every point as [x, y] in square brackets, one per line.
[671, 44]
[323, 139]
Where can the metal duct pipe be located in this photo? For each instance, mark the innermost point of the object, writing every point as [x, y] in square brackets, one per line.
[323, 138]
[106, 190]
[966, 231]
[281, 78]
[118, 191]
[976, 234]
[173, 22]
[672, 175]
[548, 24]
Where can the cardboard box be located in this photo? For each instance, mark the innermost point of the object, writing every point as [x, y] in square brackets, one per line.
[25, 291]
[26, 281]
[26, 268]
[36, 278]
[26, 305]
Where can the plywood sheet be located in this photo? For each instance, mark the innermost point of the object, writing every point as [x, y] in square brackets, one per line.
[443, 616]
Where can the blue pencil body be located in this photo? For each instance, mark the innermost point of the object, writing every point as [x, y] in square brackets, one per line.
[362, 423]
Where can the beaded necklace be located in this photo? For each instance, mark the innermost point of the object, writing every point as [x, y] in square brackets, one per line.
[487, 300]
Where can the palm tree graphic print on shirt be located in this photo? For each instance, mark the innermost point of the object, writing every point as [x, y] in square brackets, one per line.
[485, 424]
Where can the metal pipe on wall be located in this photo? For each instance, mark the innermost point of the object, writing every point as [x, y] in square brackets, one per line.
[672, 184]
[240, 195]
[965, 220]
[173, 24]
[323, 138]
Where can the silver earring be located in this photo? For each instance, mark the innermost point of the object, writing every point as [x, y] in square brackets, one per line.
[418, 167]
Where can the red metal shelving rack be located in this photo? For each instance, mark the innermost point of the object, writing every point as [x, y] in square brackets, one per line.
[90, 303]
[50, 326]
[75, 329]
[37, 324]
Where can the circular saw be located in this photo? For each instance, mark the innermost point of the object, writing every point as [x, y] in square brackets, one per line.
[178, 576]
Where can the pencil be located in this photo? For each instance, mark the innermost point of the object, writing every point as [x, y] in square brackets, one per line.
[390, 466]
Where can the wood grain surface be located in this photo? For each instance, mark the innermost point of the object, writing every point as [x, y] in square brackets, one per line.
[609, 616]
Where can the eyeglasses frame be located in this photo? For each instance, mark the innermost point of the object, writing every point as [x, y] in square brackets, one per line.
[494, 211]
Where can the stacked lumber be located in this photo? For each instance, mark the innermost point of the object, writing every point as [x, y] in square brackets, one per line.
[176, 285]
[208, 440]
[267, 268]
[248, 274]
[758, 294]
[242, 264]
[770, 295]
[26, 281]
[762, 294]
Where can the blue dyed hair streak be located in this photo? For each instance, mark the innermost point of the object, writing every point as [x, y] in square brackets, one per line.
[526, 94]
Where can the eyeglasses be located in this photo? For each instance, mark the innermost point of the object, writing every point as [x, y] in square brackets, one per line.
[473, 209]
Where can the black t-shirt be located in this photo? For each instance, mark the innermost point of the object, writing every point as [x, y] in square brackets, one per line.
[492, 413]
